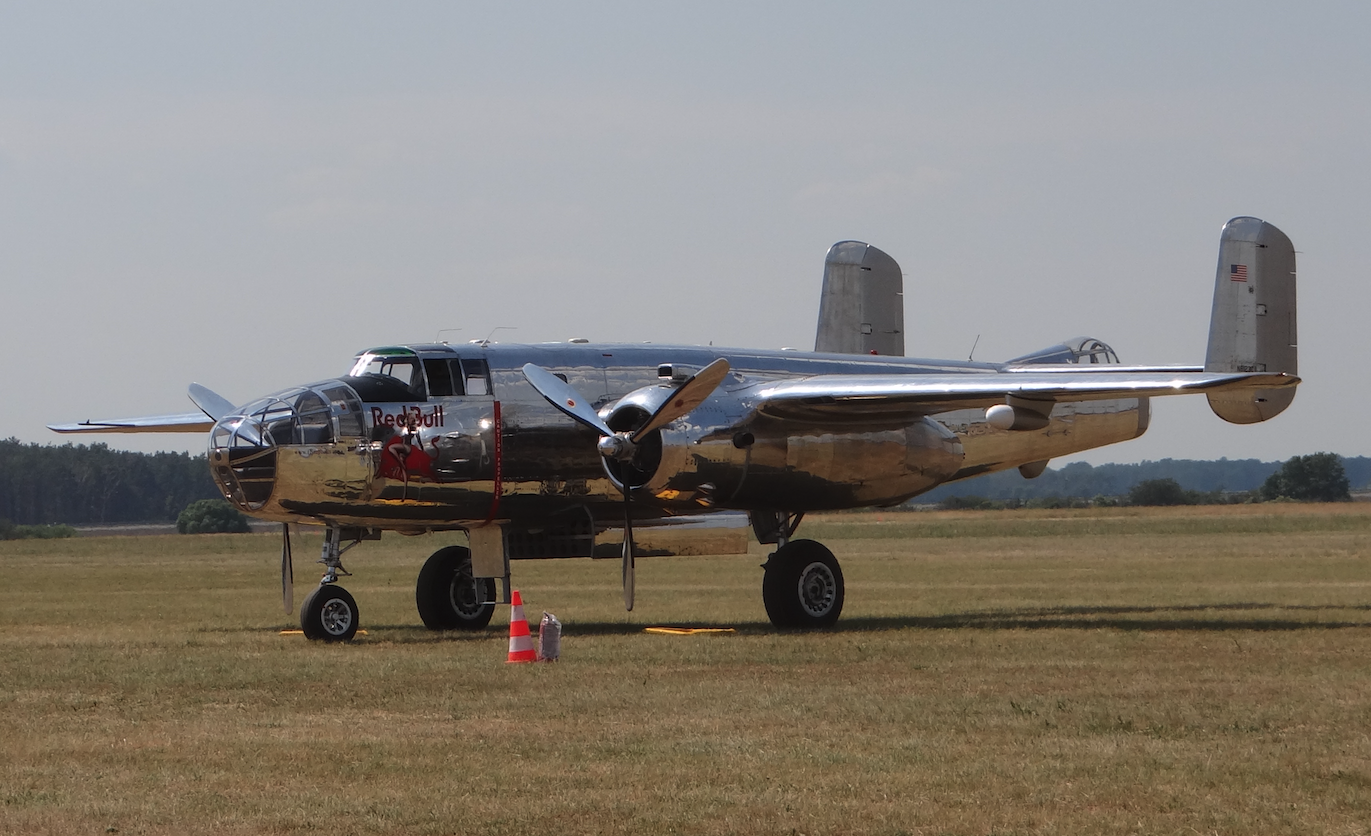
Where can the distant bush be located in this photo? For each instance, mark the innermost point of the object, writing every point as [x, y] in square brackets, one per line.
[10, 531]
[1161, 492]
[211, 516]
[1318, 477]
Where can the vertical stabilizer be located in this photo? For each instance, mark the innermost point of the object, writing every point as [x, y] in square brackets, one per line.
[861, 309]
[1252, 327]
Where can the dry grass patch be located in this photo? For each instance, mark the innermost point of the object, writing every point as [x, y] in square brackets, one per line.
[1042, 672]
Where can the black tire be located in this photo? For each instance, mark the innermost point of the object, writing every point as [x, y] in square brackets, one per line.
[803, 587]
[449, 597]
[329, 614]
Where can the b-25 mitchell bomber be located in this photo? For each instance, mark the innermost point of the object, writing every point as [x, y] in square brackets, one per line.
[540, 451]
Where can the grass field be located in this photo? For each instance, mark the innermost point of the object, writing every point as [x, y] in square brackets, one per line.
[1106, 671]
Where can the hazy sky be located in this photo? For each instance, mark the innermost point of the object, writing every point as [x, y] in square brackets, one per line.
[243, 195]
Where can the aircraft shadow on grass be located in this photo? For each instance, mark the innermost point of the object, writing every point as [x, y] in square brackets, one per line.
[1193, 618]
[1216, 618]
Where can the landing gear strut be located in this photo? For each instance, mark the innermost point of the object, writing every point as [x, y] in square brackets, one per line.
[329, 613]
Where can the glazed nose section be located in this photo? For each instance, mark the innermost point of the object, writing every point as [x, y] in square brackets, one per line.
[242, 459]
[244, 447]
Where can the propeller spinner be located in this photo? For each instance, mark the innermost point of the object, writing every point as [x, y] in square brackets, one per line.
[623, 446]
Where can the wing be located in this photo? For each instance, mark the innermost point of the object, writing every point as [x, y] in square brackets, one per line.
[212, 408]
[868, 399]
[187, 422]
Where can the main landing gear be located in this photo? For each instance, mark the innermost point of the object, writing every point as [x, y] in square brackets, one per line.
[448, 595]
[802, 588]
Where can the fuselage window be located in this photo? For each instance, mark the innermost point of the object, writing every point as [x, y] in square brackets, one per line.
[477, 375]
[439, 378]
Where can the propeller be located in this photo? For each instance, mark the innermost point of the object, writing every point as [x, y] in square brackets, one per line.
[287, 570]
[628, 550]
[209, 402]
[623, 446]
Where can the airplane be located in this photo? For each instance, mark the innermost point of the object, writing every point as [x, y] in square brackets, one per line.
[551, 450]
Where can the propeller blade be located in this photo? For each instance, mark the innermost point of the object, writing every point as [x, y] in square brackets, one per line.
[691, 394]
[562, 395]
[210, 403]
[287, 571]
[628, 551]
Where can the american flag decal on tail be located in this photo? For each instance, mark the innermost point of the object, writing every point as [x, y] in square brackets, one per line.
[1237, 272]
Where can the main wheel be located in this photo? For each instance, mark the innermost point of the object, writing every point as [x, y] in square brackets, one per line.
[449, 597]
[329, 614]
[803, 586]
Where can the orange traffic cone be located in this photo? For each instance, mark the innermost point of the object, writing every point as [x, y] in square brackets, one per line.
[520, 642]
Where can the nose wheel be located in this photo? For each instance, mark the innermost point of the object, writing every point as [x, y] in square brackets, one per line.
[329, 614]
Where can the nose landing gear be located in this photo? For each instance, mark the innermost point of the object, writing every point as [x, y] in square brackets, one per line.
[329, 613]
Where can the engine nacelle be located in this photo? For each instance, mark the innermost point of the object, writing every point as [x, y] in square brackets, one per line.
[710, 462]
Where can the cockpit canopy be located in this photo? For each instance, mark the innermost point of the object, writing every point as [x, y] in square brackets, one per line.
[1078, 350]
[395, 374]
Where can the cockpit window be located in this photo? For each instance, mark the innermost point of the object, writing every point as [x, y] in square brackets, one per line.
[1090, 350]
[1079, 350]
[387, 375]
[316, 420]
[348, 410]
[379, 377]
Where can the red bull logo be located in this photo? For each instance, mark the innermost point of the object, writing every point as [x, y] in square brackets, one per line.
[429, 420]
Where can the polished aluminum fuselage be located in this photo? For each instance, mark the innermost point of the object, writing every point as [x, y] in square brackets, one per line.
[508, 455]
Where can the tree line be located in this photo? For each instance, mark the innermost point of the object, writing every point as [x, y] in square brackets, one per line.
[43, 484]
[1084, 481]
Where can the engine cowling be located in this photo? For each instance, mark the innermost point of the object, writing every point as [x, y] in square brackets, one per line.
[714, 457]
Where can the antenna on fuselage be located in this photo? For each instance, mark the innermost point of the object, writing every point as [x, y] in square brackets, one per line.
[438, 338]
[486, 341]
[973, 348]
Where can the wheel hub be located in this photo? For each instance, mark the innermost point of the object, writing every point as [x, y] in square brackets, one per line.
[335, 617]
[818, 589]
[464, 596]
